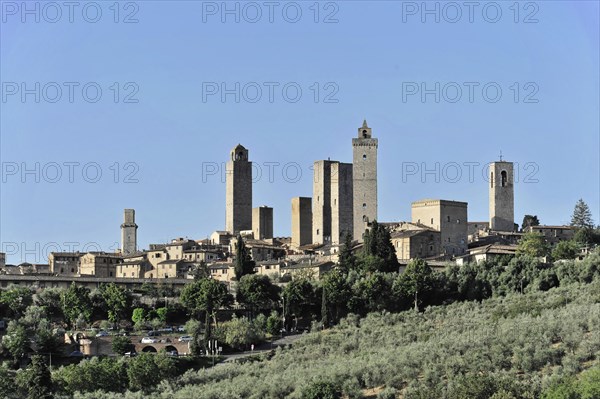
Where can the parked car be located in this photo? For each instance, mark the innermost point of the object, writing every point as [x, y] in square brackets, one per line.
[173, 353]
[76, 354]
[154, 333]
[167, 329]
[149, 340]
[181, 329]
[102, 334]
[130, 354]
[185, 338]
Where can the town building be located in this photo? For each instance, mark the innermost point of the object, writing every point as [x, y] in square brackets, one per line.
[486, 253]
[447, 217]
[99, 264]
[65, 263]
[416, 243]
[553, 234]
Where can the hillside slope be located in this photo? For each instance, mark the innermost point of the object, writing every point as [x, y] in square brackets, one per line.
[518, 344]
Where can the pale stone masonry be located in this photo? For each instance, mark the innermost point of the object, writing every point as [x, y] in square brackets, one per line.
[447, 217]
[262, 222]
[301, 221]
[128, 232]
[364, 149]
[502, 202]
[238, 180]
[332, 201]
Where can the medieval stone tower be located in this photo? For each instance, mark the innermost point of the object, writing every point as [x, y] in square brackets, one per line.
[502, 203]
[238, 181]
[129, 233]
[365, 180]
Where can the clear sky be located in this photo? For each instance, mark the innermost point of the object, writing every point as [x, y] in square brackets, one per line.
[170, 126]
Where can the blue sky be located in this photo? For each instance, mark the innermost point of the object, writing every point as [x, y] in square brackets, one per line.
[364, 66]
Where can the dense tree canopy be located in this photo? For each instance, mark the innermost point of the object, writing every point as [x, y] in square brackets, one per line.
[257, 292]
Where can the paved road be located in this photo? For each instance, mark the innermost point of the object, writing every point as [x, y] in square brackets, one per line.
[264, 348]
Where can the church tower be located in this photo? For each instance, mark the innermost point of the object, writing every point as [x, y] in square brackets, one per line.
[365, 180]
[502, 203]
[129, 232]
[238, 181]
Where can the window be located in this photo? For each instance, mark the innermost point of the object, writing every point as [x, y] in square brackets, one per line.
[317, 231]
[457, 221]
[431, 220]
[364, 132]
[503, 177]
[364, 156]
[132, 275]
[492, 180]
[364, 205]
[448, 218]
[365, 218]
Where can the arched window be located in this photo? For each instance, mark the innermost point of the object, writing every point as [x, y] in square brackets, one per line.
[504, 178]
[364, 156]
[364, 132]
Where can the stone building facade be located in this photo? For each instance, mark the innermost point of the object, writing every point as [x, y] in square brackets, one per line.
[364, 175]
[238, 181]
[64, 263]
[416, 243]
[447, 217]
[129, 233]
[301, 221]
[262, 222]
[99, 264]
[502, 202]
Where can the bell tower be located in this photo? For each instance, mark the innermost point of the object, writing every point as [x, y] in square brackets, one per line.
[238, 181]
[364, 175]
[502, 203]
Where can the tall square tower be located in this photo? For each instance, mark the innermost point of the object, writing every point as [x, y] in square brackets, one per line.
[301, 221]
[238, 182]
[341, 201]
[128, 232]
[262, 222]
[321, 207]
[502, 201]
[364, 175]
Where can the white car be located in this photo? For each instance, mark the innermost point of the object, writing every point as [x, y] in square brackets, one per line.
[185, 338]
[149, 340]
[102, 334]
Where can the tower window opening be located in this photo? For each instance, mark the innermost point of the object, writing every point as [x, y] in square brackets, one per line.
[448, 218]
[492, 180]
[503, 178]
[364, 156]
[364, 205]
[431, 220]
[364, 132]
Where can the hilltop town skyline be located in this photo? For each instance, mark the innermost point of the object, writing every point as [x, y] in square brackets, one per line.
[213, 174]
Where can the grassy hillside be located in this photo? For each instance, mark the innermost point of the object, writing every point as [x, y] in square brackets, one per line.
[508, 347]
